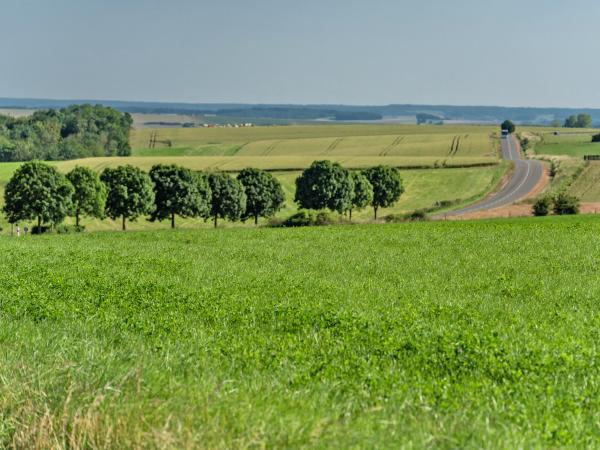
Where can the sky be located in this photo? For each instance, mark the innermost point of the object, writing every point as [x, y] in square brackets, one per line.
[459, 52]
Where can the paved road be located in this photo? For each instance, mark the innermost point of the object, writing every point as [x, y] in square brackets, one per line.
[526, 175]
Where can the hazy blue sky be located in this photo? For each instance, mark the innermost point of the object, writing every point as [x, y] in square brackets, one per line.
[531, 53]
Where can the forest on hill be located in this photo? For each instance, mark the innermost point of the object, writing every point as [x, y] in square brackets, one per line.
[77, 131]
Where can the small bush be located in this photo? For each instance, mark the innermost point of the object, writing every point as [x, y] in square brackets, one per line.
[542, 206]
[565, 204]
[325, 218]
[415, 216]
[66, 229]
[40, 230]
[309, 218]
[553, 169]
[596, 138]
[302, 218]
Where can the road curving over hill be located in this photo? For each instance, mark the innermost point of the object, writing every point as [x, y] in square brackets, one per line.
[526, 175]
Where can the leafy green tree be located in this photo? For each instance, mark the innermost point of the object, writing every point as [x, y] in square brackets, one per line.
[542, 206]
[89, 197]
[555, 123]
[584, 121]
[578, 121]
[179, 191]
[37, 191]
[130, 193]
[362, 195]
[325, 185]
[565, 204]
[571, 122]
[264, 194]
[387, 186]
[228, 197]
[508, 126]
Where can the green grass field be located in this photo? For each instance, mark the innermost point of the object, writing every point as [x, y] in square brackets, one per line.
[575, 143]
[433, 335]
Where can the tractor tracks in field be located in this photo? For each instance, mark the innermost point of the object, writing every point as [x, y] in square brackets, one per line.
[335, 144]
[392, 146]
[271, 147]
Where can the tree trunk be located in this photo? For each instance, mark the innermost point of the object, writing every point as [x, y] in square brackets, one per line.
[124, 225]
[172, 220]
[39, 227]
[256, 219]
[215, 221]
[350, 215]
[77, 218]
[375, 211]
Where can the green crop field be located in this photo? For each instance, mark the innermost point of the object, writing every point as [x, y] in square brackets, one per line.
[570, 143]
[433, 335]
[319, 141]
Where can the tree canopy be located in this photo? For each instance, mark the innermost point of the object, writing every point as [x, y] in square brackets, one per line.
[130, 193]
[264, 194]
[78, 131]
[578, 121]
[325, 185]
[89, 196]
[387, 186]
[39, 192]
[362, 195]
[179, 192]
[507, 125]
[228, 197]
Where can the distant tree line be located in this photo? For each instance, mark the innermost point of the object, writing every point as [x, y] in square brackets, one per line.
[425, 118]
[75, 132]
[39, 192]
[296, 112]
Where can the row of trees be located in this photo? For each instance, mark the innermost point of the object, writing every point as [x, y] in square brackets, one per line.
[326, 184]
[38, 192]
[78, 131]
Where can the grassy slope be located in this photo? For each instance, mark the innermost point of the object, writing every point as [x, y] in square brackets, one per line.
[442, 335]
[567, 150]
[587, 186]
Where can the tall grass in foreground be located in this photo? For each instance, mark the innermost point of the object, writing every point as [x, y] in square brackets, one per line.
[424, 335]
